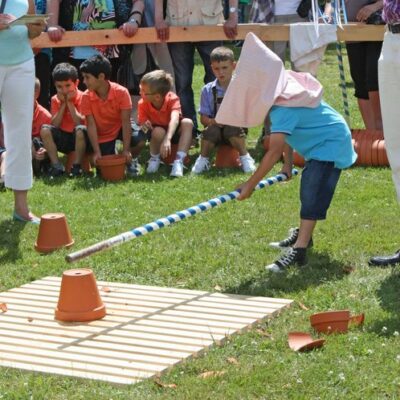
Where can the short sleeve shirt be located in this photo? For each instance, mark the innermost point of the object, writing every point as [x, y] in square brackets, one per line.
[41, 116]
[67, 123]
[318, 133]
[107, 113]
[207, 101]
[162, 117]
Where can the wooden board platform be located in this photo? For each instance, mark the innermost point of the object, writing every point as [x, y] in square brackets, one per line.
[146, 330]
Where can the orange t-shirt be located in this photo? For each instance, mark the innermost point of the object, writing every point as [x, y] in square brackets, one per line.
[67, 123]
[41, 116]
[147, 112]
[107, 113]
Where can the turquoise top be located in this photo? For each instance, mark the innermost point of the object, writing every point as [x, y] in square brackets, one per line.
[15, 47]
[318, 133]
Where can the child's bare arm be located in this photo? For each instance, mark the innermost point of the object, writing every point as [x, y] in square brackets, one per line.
[165, 149]
[57, 118]
[173, 124]
[126, 134]
[206, 120]
[92, 134]
[274, 153]
[287, 161]
[77, 117]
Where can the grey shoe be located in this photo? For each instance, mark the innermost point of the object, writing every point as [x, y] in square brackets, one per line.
[133, 169]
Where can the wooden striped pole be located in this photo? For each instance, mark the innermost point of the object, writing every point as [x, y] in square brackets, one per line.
[170, 219]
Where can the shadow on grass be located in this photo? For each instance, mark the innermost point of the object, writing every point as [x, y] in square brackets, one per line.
[9, 240]
[319, 269]
[389, 299]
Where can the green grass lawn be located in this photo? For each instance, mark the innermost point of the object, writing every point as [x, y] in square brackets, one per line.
[228, 247]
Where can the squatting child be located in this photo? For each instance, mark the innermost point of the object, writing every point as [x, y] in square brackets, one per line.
[66, 133]
[159, 112]
[299, 120]
[41, 116]
[222, 64]
[107, 107]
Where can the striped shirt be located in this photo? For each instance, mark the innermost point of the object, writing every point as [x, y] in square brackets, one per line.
[391, 11]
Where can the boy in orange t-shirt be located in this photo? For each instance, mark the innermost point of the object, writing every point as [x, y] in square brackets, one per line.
[159, 112]
[41, 116]
[107, 107]
[66, 132]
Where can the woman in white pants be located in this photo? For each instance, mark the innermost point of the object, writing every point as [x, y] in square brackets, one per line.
[17, 79]
[389, 87]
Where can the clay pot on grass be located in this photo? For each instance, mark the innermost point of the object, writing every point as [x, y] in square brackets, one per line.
[227, 157]
[331, 321]
[112, 167]
[169, 160]
[300, 341]
[53, 233]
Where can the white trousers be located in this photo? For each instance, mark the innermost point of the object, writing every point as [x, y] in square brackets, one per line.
[16, 98]
[389, 91]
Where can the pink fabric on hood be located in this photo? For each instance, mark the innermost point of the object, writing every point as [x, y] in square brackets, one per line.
[260, 81]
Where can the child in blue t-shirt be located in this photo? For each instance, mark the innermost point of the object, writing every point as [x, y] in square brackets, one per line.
[323, 138]
[300, 120]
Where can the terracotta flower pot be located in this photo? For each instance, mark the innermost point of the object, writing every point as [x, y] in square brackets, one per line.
[357, 320]
[53, 233]
[85, 162]
[112, 167]
[331, 321]
[171, 158]
[227, 157]
[79, 298]
[382, 155]
[300, 341]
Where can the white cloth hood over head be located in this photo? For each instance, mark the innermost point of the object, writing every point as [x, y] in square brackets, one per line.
[260, 81]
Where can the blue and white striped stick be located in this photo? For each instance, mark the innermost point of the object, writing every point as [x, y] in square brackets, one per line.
[170, 219]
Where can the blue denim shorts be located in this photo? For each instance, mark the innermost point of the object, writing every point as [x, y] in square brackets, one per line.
[318, 183]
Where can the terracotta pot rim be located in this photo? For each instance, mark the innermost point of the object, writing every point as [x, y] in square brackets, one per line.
[83, 316]
[112, 159]
[45, 249]
[330, 316]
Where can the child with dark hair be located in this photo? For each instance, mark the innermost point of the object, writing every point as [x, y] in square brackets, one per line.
[159, 111]
[107, 107]
[66, 133]
[222, 64]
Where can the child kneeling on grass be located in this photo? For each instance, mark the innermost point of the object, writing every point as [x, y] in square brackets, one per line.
[107, 107]
[299, 120]
[222, 64]
[159, 113]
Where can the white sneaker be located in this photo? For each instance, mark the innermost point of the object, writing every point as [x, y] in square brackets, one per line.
[248, 164]
[154, 164]
[177, 169]
[202, 164]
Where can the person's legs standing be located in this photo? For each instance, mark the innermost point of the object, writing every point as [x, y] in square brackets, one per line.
[16, 97]
[389, 87]
[182, 55]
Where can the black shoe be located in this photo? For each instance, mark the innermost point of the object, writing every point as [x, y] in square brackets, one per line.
[290, 240]
[385, 260]
[76, 171]
[294, 256]
[55, 171]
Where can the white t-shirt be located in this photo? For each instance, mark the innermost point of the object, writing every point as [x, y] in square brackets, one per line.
[286, 7]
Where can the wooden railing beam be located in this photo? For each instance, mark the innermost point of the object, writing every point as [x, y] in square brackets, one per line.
[199, 33]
